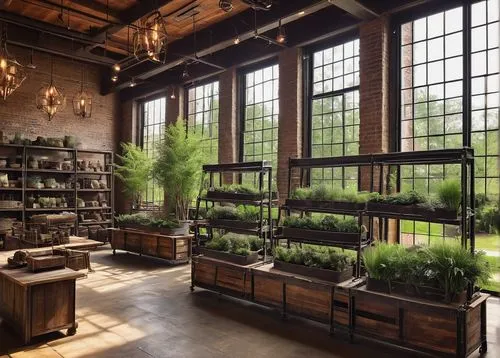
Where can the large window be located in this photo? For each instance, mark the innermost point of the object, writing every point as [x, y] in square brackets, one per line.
[203, 117]
[449, 98]
[260, 122]
[153, 122]
[335, 111]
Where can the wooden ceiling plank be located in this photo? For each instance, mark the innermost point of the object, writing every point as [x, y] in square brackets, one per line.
[98, 7]
[222, 34]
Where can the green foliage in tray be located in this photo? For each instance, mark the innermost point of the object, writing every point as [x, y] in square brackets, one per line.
[327, 223]
[245, 213]
[405, 198]
[235, 244]
[315, 256]
[444, 265]
[323, 192]
[146, 220]
[236, 189]
[450, 194]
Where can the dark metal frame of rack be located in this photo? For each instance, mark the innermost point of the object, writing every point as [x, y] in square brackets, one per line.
[463, 156]
[28, 150]
[262, 168]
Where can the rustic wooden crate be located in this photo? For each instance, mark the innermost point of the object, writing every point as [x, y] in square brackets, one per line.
[49, 262]
[226, 277]
[319, 300]
[435, 328]
[173, 248]
[117, 239]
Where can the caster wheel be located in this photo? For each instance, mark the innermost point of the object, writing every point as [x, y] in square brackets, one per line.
[191, 288]
[71, 331]
[483, 349]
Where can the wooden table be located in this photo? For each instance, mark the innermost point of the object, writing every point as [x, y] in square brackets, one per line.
[38, 303]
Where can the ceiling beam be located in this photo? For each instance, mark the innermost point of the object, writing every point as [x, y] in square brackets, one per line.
[355, 8]
[130, 15]
[319, 26]
[71, 10]
[220, 36]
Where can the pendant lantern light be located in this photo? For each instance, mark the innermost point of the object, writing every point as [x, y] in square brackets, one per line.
[49, 99]
[150, 39]
[12, 74]
[82, 102]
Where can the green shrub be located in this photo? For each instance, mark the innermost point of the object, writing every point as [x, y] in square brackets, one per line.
[301, 194]
[133, 219]
[236, 189]
[445, 265]
[314, 256]
[450, 194]
[222, 212]
[327, 223]
[405, 198]
[235, 244]
[488, 218]
[248, 213]
[219, 243]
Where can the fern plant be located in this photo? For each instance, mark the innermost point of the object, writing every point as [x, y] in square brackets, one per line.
[134, 172]
[178, 167]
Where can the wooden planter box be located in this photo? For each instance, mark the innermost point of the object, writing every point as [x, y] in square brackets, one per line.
[226, 256]
[222, 276]
[319, 273]
[424, 292]
[434, 328]
[322, 236]
[325, 204]
[176, 249]
[308, 297]
[414, 210]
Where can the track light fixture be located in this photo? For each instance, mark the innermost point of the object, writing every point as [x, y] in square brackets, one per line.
[281, 36]
[236, 40]
[116, 67]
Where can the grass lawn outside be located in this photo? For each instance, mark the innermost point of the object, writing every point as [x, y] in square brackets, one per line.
[495, 280]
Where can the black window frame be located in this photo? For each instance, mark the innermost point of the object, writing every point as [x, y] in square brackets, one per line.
[309, 97]
[395, 75]
[140, 133]
[241, 100]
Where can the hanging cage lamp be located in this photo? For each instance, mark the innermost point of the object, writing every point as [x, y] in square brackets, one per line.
[49, 99]
[150, 39]
[82, 102]
[12, 74]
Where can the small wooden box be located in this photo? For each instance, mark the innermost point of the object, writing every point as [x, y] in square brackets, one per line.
[42, 263]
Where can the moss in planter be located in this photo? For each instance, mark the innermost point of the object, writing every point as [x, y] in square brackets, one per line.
[445, 265]
[235, 244]
[315, 256]
[327, 223]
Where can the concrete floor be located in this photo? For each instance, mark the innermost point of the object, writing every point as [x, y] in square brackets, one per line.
[139, 307]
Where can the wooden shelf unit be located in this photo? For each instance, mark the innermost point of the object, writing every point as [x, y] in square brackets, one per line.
[105, 157]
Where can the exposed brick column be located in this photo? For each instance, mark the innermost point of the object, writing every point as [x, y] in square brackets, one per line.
[228, 119]
[290, 116]
[374, 95]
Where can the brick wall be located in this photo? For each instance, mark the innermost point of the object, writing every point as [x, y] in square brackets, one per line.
[19, 113]
[228, 119]
[374, 90]
[290, 116]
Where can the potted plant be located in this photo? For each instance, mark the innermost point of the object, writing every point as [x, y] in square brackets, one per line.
[177, 168]
[450, 199]
[235, 248]
[134, 172]
[327, 229]
[324, 263]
